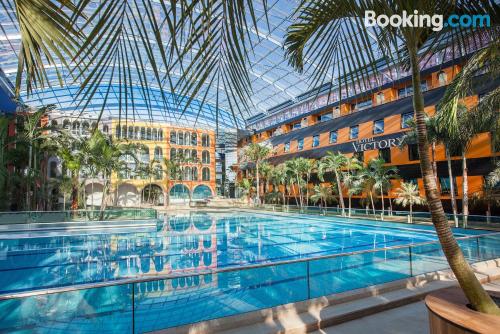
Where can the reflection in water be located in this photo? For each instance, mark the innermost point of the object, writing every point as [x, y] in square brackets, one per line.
[186, 243]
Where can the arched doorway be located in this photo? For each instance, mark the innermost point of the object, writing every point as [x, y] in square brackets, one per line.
[179, 193]
[152, 194]
[93, 192]
[128, 195]
[202, 192]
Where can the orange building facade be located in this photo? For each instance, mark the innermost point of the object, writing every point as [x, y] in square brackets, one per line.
[373, 125]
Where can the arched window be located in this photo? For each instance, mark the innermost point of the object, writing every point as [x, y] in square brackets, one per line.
[53, 169]
[205, 157]
[187, 138]
[131, 165]
[131, 132]
[93, 125]
[205, 174]
[173, 154]
[124, 131]
[155, 134]
[180, 140]
[85, 127]
[442, 78]
[118, 131]
[53, 123]
[194, 155]
[158, 172]
[148, 134]
[173, 137]
[76, 127]
[105, 129]
[66, 124]
[145, 154]
[137, 132]
[194, 139]
[187, 174]
[187, 153]
[143, 133]
[205, 140]
[195, 173]
[158, 153]
[160, 135]
[201, 192]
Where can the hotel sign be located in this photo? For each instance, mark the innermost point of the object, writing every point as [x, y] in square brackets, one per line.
[376, 143]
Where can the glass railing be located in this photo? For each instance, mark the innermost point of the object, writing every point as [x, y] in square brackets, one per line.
[152, 303]
[30, 217]
[473, 221]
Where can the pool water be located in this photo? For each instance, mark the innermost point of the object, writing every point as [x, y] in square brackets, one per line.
[189, 243]
[197, 245]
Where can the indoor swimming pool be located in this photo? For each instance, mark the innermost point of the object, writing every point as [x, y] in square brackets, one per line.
[201, 266]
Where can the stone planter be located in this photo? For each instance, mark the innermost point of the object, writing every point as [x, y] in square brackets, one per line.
[449, 314]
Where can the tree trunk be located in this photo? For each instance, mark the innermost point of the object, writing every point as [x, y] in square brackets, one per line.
[452, 188]
[465, 191]
[350, 198]
[258, 181]
[382, 198]
[28, 183]
[411, 213]
[434, 162]
[339, 189]
[373, 204]
[472, 288]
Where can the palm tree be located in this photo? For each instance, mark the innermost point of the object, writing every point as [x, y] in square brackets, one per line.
[257, 154]
[280, 178]
[298, 170]
[245, 186]
[329, 33]
[323, 194]
[334, 162]
[354, 185]
[436, 135]
[408, 195]
[382, 176]
[266, 170]
[65, 188]
[170, 172]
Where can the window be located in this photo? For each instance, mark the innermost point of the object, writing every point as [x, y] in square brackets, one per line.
[413, 152]
[406, 119]
[158, 153]
[296, 126]
[137, 132]
[194, 139]
[446, 186]
[333, 136]
[315, 141]
[173, 154]
[105, 129]
[205, 140]
[173, 137]
[380, 98]
[442, 78]
[145, 155]
[354, 132]
[300, 144]
[118, 131]
[143, 133]
[360, 156]
[205, 174]
[205, 157]
[408, 90]
[385, 153]
[155, 134]
[194, 175]
[158, 171]
[187, 138]
[124, 131]
[187, 153]
[180, 138]
[131, 132]
[160, 135]
[361, 105]
[411, 180]
[378, 127]
[194, 155]
[325, 117]
[53, 169]
[286, 148]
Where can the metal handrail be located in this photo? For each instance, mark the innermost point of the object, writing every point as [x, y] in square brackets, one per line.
[125, 281]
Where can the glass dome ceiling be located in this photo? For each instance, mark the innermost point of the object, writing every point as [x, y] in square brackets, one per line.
[273, 81]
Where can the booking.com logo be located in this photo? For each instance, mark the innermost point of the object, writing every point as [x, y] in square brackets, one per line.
[436, 21]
